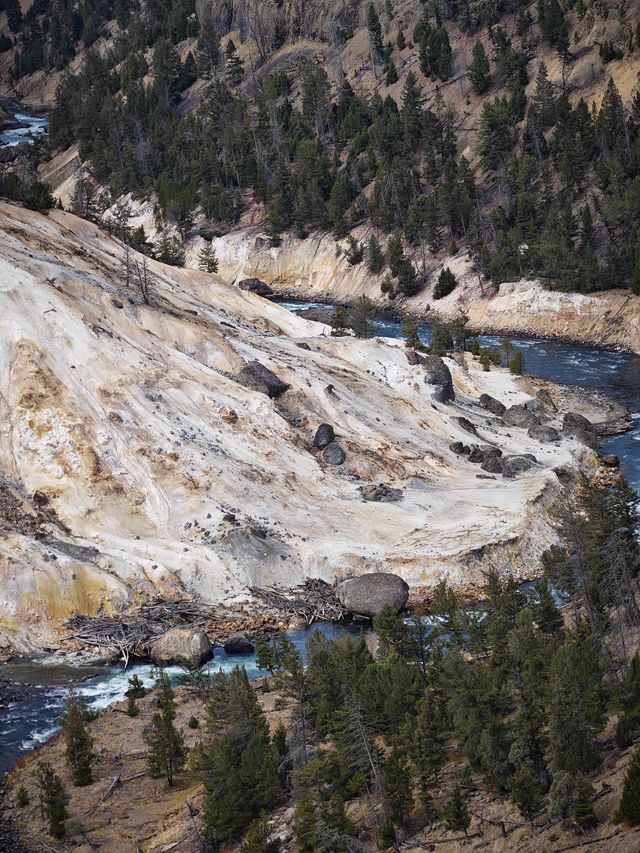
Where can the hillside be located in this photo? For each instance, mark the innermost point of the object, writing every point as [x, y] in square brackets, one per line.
[507, 137]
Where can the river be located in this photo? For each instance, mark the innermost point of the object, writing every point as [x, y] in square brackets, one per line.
[27, 723]
[31, 127]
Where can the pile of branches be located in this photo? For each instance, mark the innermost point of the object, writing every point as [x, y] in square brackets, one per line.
[140, 628]
[315, 599]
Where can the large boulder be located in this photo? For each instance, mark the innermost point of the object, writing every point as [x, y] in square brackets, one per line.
[255, 285]
[514, 465]
[258, 377]
[492, 405]
[493, 465]
[381, 493]
[483, 453]
[182, 646]
[540, 432]
[579, 427]
[368, 595]
[437, 373]
[238, 644]
[333, 454]
[520, 416]
[324, 436]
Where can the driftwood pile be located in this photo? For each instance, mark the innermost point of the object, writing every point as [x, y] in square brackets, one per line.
[139, 629]
[313, 600]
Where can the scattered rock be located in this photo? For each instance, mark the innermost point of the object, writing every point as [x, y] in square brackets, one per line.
[260, 378]
[611, 460]
[239, 644]
[368, 595]
[540, 432]
[381, 493]
[414, 357]
[520, 416]
[545, 399]
[466, 424]
[493, 464]
[513, 465]
[255, 285]
[333, 454]
[182, 646]
[484, 453]
[579, 427]
[303, 345]
[437, 373]
[324, 436]
[459, 448]
[492, 405]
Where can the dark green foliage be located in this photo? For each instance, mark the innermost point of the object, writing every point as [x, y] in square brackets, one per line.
[479, 70]
[354, 252]
[516, 363]
[207, 259]
[234, 67]
[257, 837]
[340, 322]
[361, 314]
[629, 807]
[166, 751]
[375, 32]
[34, 194]
[374, 255]
[397, 782]
[441, 342]
[136, 688]
[455, 812]
[584, 816]
[78, 741]
[22, 796]
[525, 794]
[133, 708]
[193, 723]
[445, 284]
[14, 15]
[410, 334]
[52, 798]
[170, 250]
[436, 60]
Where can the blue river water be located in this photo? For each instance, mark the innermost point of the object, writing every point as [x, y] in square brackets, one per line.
[31, 127]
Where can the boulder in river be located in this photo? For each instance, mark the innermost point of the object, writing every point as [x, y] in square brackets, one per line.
[183, 646]
[260, 378]
[520, 416]
[324, 436]
[333, 454]
[238, 644]
[437, 373]
[368, 595]
[611, 460]
[492, 405]
[255, 285]
[540, 432]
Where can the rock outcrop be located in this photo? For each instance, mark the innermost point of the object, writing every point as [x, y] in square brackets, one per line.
[369, 594]
[182, 646]
[437, 373]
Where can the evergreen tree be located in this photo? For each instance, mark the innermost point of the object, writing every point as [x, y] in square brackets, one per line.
[375, 32]
[52, 798]
[479, 70]
[207, 259]
[257, 837]
[543, 102]
[629, 808]
[397, 783]
[412, 113]
[361, 315]
[516, 363]
[455, 812]
[78, 741]
[132, 706]
[374, 254]
[233, 65]
[525, 794]
[584, 816]
[166, 751]
[340, 322]
[14, 15]
[445, 284]
[409, 330]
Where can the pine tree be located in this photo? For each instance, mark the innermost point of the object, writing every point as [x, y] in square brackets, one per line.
[397, 784]
[375, 32]
[340, 322]
[257, 837]
[455, 812]
[395, 254]
[52, 798]
[445, 284]
[584, 816]
[207, 259]
[547, 614]
[543, 102]
[412, 113]
[233, 65]
[14, 15]
[516, 363]
[132, 706]
[166, 753]
[375, 255]
[409, 330]
[78, 741]
[629, 808]
[479, 70]
[361, 314]
[525, 794]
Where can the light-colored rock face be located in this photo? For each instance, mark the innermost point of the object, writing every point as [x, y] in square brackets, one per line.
[157, 471]
[315, 268]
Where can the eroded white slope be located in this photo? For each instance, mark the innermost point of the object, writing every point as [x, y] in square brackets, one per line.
[165, 473]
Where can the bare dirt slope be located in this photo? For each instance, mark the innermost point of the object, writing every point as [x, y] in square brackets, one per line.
[133, 459]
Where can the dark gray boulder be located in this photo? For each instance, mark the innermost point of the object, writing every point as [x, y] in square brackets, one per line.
[466, 425]
[483, 453]
[545, 399]
[514, 465]
[491, 404]
[414, 357]
[437, 373]
[611, 460]
[520, 416]
[333, 454]
[182, 646]
[324, 436]
[493, 465]
[239, 644]
[255, 285]
[539, 432]
[381, 493]
[258, 377]
[368, 595]
[572, 421]
[459, 448]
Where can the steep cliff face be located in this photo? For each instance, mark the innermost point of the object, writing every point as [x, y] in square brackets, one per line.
[136, 458]
[316, 268]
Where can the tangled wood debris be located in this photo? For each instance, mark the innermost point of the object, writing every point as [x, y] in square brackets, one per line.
[315, 599]
[140, 628]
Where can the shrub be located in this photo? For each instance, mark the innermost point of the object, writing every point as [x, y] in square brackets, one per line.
[445, 284]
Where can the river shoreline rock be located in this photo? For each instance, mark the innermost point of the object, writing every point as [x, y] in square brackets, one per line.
[369, 594]
[182, 646]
